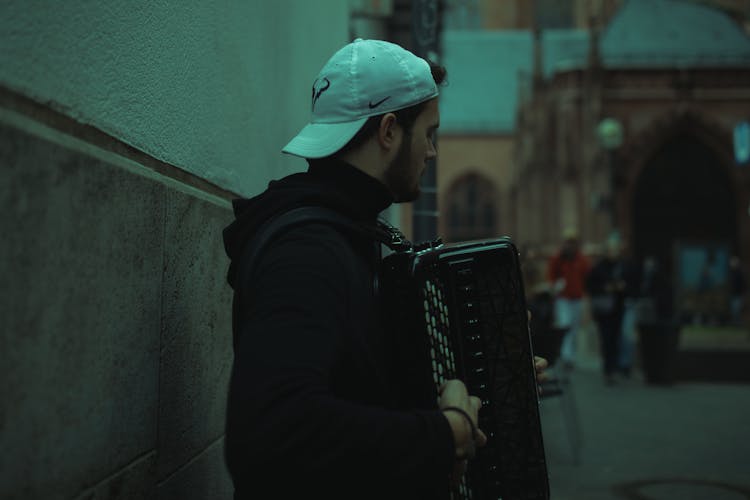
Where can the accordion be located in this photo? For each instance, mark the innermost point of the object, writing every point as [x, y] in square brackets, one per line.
[459, 311]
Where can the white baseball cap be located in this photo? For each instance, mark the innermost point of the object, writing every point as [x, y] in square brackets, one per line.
[364, 78]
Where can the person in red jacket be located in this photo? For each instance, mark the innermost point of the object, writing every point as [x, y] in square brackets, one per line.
[567, 271]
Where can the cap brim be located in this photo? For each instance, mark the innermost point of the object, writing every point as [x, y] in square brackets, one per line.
[318, 140]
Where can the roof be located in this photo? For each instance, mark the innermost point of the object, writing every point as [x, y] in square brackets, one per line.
[673, 33]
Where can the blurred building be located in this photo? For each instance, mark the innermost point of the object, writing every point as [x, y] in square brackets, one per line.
[619, 117]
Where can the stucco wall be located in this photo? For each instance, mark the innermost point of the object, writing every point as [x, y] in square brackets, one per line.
[215, 87]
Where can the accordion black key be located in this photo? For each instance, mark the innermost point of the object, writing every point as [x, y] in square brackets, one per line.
[459, 311]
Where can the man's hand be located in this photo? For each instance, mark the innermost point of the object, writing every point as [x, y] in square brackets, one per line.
[541, 364]
[462, 411]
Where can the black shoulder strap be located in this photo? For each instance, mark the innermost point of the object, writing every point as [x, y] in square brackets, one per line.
[252, 250]
[285, 221]
[382, 232]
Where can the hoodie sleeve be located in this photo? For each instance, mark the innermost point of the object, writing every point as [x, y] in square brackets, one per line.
[283, 414]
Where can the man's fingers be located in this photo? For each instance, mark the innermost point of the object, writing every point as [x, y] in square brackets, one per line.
[540, 363]
[459, 469]
[475, 403]
[481, 438]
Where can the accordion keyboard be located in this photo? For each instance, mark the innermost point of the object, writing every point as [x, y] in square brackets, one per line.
[468, 303]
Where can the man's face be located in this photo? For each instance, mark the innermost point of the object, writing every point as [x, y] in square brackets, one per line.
[417, 148]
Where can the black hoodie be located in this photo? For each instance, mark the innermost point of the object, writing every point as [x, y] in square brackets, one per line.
[312, 402]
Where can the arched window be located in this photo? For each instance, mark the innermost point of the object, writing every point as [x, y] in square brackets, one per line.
[472, 209]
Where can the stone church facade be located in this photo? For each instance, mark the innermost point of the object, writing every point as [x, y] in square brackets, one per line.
[641, 147]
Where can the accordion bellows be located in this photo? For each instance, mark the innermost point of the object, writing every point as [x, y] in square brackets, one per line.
[459, 311]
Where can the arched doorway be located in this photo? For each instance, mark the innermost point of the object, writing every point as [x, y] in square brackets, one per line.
[472, 209]
[684, 214]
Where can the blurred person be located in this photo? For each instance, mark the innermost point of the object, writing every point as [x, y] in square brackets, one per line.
[314, 405]
[737, 290]
[606, 286]
[540, 302]
[631, 275]
[533, 268]
[566, 272]
[655, 301]
[657, 322]
[705, 289]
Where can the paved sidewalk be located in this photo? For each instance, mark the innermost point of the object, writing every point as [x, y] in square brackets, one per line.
[688, 441]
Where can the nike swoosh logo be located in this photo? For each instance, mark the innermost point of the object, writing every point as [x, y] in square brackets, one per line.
[373, 106]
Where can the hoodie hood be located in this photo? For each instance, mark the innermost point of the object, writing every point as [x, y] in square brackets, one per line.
[332, 184]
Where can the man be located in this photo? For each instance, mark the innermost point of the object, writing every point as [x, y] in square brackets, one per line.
[606, 285]
[566, 271]
[313, 404]
[631, 275]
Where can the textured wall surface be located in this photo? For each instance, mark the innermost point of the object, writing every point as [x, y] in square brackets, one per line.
[115, 346]
[215, 87]
[115, 338]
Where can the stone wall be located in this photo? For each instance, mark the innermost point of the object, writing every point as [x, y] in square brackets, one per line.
[115, 349]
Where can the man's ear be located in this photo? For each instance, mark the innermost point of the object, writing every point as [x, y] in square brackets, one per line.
[389, 131]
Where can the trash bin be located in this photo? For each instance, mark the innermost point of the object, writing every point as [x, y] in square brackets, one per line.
[658, 343]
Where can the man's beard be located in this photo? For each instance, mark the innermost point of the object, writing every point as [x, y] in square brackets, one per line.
[398, 175]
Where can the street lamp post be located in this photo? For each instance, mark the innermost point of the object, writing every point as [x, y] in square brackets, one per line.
[610, 135]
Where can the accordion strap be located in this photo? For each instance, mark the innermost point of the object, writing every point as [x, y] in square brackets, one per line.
[286, 221]
[381, 233]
